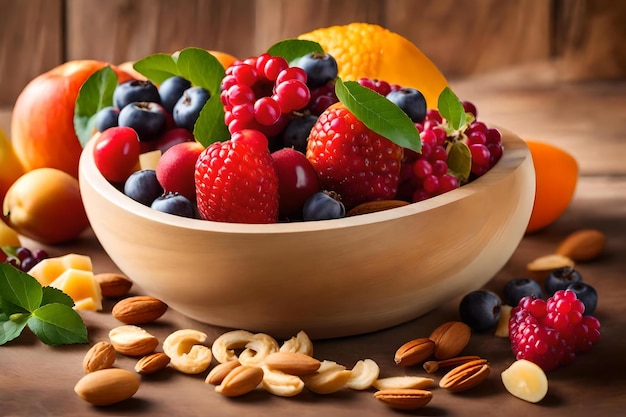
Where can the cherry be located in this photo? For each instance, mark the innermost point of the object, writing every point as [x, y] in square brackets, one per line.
[116, 152]
[297, 180]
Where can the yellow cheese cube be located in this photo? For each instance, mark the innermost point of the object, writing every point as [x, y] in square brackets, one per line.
[48, 270]
[149, 160]
[80, 285]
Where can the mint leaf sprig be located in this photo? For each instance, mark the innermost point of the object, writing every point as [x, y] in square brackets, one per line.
[46, 311]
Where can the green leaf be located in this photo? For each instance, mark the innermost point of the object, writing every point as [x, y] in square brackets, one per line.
[57, 324]
[53, 295]
[157, 67]
[11, 329]
[10, 308]
[208, 128]
[460, 161]
[379, 114]
[95, 94]
[451, 108]
[19, 288]
[293, 49]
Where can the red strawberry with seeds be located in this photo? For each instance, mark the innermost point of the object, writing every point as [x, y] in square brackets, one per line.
[352, 160]
[236, 181]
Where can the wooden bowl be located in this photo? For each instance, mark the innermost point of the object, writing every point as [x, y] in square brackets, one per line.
[329, 278]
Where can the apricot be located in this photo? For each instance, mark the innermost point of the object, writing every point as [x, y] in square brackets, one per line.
[10, 166]
[45, 205]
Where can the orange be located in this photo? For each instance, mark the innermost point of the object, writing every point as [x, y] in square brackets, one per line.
[225, 59]
[556, 176]
[371, 51]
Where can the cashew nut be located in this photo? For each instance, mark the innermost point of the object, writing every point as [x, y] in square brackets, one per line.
[300, 343]
[186, 351]
[329, 378]
[364, 374]
[257, 349]
[224, 346]
[401, 382]
[280, 383]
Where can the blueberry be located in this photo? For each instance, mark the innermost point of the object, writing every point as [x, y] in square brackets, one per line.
[297, 132]
[146, 118]
[171, 90]
[560, 279]
[106, 118]
[188, 107]
[518, 288]
[411, 101]
[480, 310]
[323, 205]
[174, 203]
[587, 294]
[320, 68]
[143, 186]
[133, 91]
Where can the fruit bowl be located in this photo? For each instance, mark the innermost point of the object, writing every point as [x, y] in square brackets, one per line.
[329, 278]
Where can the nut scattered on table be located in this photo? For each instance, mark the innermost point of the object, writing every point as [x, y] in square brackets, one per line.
[107, 386]
[113, 285]
[224, 346]
[329, 378]
[433, 366]
[403, 382]
[131, 340]
[139, 309]
[465, 376]
[219, 372]
[363, 375]
[292, 363]
[300, 343]
[404, 399]
[414, 351]
[99, 356]
[187, 352]
[582, 245]
[152, 363]
[240, 381]
[280, 383]
[450, 339]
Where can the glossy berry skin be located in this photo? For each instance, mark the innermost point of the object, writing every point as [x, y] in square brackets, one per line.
[518, 288]
[143, 186]
[173, 137]
[297, 180]
[480, 310]
[297, 132]
[188, 107]
[106, 118]
[587, 294]
[560, 279]
[146, 118]
[116, 153]
[133, 91]
[174, 203]
[411, 101]
[323, 205]
[171, 90]
[352, 160]
[236, 181]
[320, 68]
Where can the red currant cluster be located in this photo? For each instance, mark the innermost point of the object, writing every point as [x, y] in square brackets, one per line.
[22, 258]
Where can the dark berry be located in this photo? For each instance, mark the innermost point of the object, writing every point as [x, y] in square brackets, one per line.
[320, 68]
[297, 132]
[323, 206]
[143, 186]
[145, 118]
[518, 288]
[560, 279]
[106, 118]
[174, 203]
[188, 107]
[133, 91]
[171, 90]
[587, 294]
[480, 310]
[411, 101]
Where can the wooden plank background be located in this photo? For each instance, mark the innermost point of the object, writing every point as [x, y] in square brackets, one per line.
[463, 37]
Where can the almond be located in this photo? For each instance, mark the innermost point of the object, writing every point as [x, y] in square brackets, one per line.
[100, 356]
[139, 309]
[107, 386]
[465, 376]
[450, 339]
[152, 363]
[113, 285]
[292, 363]
[582, 245]
[404, 399]
[240, 381]
[219, 372]
[131, 340]
[414, 351]
[433, 366]
[374, 206]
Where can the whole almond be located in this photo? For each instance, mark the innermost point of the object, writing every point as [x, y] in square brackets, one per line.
[404, 399]
[240, 381]
[465, 376]
[375, 206]
[582, 245]
[107, 386]
[219, 372]
[132, 340]
[450, 339]
[152, 363]
[292, 363]
[113, 285]
[100, 356]
[414, 351]
[139, 309]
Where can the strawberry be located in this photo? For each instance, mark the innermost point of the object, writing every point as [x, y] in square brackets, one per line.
[236, 181]
[352, 160]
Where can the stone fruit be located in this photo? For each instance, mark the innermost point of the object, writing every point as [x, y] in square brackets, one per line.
[45, 205]
[10, 166]
[143, 186]
[116, 153]
[42, 124]
[176, 169]
[480, 310]
[8, 236]
[187, 109]
[525, 380]
[174, 203]
[297, 180]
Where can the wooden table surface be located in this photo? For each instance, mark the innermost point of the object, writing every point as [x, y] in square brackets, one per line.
[588, 119]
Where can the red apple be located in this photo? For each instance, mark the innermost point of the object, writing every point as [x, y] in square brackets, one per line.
[176, 168]
[42, 124]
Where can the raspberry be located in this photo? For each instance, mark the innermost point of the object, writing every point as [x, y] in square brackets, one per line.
[352, 160]
[550, 333]
[236, 181]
